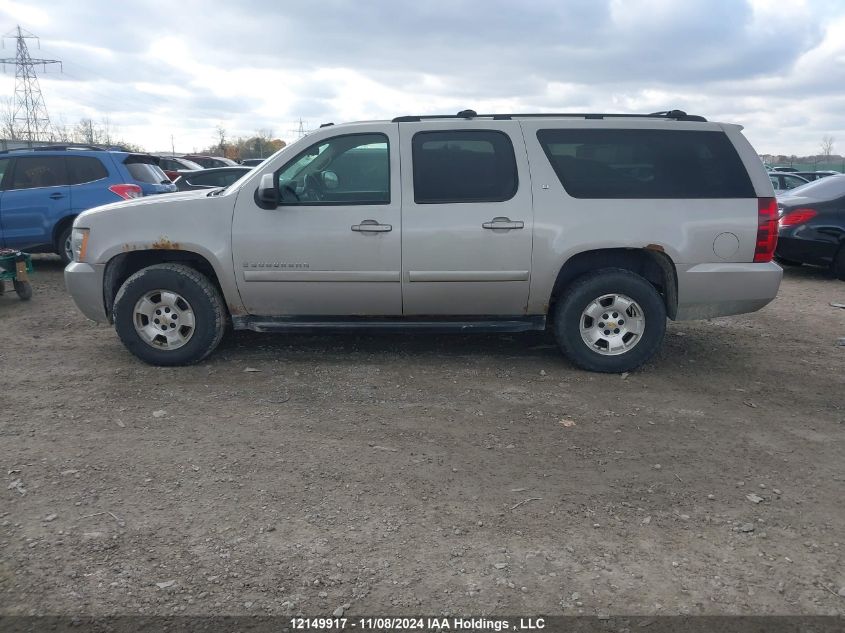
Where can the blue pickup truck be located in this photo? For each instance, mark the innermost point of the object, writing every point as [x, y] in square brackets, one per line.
[43, 189]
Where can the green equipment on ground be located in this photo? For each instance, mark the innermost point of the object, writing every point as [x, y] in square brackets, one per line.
[16, 266]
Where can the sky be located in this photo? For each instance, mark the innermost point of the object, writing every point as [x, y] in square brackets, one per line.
[155, 69]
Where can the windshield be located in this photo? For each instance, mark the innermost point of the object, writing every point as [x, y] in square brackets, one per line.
[823, 189]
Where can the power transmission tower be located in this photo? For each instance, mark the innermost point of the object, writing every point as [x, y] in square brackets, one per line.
[30, 113]
[300, 131]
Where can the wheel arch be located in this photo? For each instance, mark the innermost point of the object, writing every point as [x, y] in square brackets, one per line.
[62, 223]
[651, 263]
[123, 265]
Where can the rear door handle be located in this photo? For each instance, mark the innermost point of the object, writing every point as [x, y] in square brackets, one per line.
[371, 226]
[503, 223]
[57, 196]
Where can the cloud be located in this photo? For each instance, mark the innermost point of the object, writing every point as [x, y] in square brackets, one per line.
[258, 64]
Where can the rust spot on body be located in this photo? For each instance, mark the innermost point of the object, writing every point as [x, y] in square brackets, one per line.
[165, 244]
[236, 310]
[655, 247]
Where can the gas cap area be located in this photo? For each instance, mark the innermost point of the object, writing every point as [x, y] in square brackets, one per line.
[725, 245]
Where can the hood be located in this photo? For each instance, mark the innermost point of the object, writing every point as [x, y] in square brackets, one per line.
[161, 199]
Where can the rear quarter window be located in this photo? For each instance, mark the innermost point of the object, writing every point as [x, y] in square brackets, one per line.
[82, 169]
[646, 164]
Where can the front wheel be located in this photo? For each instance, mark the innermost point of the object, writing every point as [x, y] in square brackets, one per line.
[611, 321]
[169, 314]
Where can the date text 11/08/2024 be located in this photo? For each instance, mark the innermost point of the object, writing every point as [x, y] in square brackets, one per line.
[417, 624]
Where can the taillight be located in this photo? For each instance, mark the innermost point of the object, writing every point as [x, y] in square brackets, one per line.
[797, 216]
[767, 229]
[127, 192]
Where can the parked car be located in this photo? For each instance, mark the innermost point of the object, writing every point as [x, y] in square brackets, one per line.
[812, 225]
[209, 178]
[784, 169]
[208, 162]
[810, 176]
[172, 165]
[43, 189]
[599, 226]
[252, 162]
[784, 182]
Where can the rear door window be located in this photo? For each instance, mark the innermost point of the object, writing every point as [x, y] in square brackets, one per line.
[4, 167]
[33, 172]
[602, 163]
[463, 166]
[82, 169]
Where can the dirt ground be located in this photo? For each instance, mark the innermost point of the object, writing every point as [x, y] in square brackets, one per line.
[409, 474]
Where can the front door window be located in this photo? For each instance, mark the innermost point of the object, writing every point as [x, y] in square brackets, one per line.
[353, 169]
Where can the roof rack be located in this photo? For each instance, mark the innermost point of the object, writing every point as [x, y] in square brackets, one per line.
[48, 148]
[677, 115]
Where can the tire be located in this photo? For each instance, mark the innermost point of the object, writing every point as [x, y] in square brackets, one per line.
[61, 242]
[787, 262]
[624, 350]
[197, 301]
[839, 264]
[24, 290]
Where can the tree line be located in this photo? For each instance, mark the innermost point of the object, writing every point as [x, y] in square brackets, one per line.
[259, 145]
[102, 133]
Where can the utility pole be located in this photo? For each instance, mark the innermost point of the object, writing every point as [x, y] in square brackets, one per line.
[30, 112]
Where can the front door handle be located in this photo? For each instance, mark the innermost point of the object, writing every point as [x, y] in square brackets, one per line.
[371, 226]
[503, 223]
[57, 196]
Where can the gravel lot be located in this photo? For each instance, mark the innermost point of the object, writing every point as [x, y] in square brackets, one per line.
[409, 474]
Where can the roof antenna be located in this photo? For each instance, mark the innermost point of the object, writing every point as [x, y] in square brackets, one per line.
[467, 114]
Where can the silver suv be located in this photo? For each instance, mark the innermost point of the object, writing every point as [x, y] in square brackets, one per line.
[596, 225]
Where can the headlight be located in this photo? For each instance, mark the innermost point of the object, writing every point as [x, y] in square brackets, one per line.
[79, 244]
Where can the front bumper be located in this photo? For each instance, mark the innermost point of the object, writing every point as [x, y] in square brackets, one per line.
[712, 290]
[84, 282]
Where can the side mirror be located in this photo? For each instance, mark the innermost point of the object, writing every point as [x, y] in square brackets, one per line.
[267, 195]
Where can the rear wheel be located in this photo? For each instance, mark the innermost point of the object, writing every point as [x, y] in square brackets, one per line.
[610, 321]
[169, 314]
